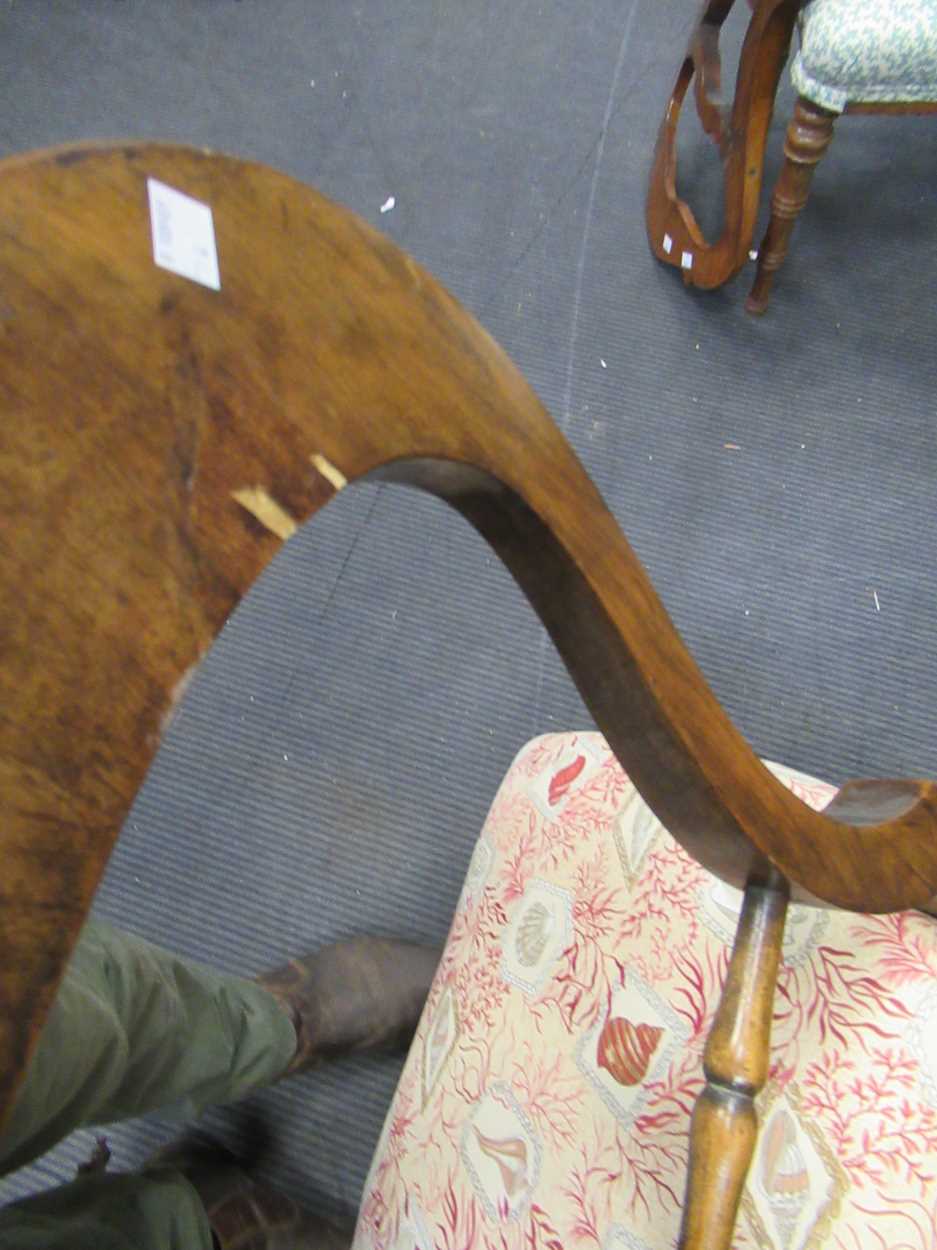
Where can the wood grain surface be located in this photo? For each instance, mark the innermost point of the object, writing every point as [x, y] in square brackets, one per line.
[724, 1127]
[160, 439]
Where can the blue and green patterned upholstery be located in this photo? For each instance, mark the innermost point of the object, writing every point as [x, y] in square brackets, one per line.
[867, 51]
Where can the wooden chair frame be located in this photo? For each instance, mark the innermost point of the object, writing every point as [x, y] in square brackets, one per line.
[741, 133]
[161, 439]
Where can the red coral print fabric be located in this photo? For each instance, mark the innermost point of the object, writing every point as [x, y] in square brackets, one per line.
[546, 1100]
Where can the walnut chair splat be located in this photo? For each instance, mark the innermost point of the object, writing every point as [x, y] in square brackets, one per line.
[163, 434]
[874, 57]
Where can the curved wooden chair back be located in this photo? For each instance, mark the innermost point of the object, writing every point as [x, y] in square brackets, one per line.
[160, 439]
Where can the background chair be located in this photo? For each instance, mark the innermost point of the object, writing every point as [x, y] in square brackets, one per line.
[853, 58]
[142, 494]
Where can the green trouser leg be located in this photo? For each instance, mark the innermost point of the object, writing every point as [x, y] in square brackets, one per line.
[150, 1210]
[134, 1029]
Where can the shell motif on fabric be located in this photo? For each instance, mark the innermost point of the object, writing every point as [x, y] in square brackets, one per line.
[783, 1169]
[533, 933]
[561, 781]
[510, 1154]
[625, 1049]
[439, 1037]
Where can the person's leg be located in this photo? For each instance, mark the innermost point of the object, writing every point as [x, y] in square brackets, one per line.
[152, 1210]
[191, 1196]
[135, 1028]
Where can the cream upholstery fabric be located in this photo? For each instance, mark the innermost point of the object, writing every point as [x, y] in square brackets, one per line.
[547, 1095]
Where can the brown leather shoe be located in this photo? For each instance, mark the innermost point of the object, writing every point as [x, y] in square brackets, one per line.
[365, 994]
[243, 1214]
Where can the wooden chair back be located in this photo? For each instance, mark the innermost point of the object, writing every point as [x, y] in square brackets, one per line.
[160, 439]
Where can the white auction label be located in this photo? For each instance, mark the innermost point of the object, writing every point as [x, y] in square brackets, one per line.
[183, 235]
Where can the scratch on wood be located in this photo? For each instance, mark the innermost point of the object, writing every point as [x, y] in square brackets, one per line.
[267, 511]
[176, 695]
[329, 471]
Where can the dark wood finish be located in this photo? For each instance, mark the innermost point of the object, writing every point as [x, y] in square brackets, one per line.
[724, 1127]
[159, 440]
[906, 108]
[808, 137]
[741, 133]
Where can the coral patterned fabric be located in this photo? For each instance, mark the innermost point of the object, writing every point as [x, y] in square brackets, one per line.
[546, 1099]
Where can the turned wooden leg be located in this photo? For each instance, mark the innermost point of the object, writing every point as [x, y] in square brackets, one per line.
[724, 1125]
[808, 137]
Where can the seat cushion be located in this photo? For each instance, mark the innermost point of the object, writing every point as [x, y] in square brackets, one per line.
[867, 51]
[546, 1099]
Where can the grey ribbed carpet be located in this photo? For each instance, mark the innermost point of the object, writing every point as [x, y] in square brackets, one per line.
[336, 755]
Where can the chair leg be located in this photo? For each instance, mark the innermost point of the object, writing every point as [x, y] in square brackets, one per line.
[808, 137]
[724, 1127]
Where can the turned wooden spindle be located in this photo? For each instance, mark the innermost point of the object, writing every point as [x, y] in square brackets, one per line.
[724, 1127]
[808, 136]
